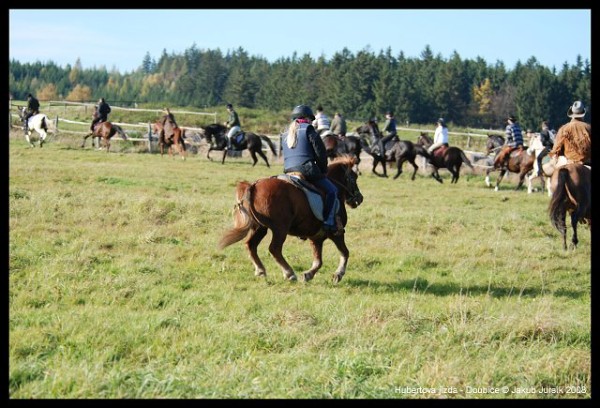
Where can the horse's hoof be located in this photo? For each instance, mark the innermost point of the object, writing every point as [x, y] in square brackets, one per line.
[292, 278]
[307, 276]
[336, 278]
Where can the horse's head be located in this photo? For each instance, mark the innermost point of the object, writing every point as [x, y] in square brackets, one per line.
[22, 112]
[493, 143]
[341, 172]
[424, 140]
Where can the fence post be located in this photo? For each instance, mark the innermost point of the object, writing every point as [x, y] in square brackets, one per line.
[56, 124]
[149, 138]
[469, 141]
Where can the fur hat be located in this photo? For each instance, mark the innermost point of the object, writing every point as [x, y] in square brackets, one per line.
[577, 110]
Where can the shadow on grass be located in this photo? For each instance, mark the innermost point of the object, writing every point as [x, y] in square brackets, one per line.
[449, 289]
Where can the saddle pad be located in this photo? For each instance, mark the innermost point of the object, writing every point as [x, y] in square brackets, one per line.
[315, 200]
[239, 138]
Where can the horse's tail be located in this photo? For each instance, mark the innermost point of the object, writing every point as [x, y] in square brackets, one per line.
[120, 132]
[558, 203]
[181, 140]
[270, 143]
[465, 159]
[242, 220]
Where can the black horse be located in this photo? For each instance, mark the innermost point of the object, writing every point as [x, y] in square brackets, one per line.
[450, 158]
[405, 151]
[216, 135]
[365, 133]
[337, 146]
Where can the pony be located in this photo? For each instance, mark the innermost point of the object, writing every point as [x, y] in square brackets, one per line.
[572, 186]
[406, 151]
[364, 132]
[39, 122]
[450, 158]
[216, 136]
[104, 131]
[535, 147]
[278, 205]
[337, 146]
[518, 162]
[173, 135]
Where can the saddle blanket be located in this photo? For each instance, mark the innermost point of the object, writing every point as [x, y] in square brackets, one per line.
[313, 195]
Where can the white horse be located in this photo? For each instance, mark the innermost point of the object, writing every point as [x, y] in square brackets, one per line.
[535, 148]
[40, 123]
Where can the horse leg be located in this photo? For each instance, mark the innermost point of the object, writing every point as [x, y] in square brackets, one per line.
[399, 164]
[224, 155]
[208, 153]
[521, 180]
[436, 175]
[275, 248]
[84, 139]
[530, 183]
[27, 137]
[252, 246]
[415, 167]
[254, 158]
[340, 243]
[549, 186]
[261, 154]
[487, 177]
[317, 249]
[574, 219]
[499, 179]
[43, 135]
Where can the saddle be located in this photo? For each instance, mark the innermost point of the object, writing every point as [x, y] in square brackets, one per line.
[440, 151]
[315, 197]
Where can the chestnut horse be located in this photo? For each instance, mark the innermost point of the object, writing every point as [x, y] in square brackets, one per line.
[445, 157]
[572, 193]
[277, 205]
[170, 135]
[216, 136]
[518, 162]
[104, 131]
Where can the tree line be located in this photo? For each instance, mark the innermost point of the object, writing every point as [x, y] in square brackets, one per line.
[466, 92]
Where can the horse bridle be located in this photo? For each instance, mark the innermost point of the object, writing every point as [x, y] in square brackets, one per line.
[351, 194]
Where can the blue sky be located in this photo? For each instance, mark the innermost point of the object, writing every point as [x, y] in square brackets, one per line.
[120, 38]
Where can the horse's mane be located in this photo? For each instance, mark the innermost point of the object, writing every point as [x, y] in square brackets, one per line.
[343, 160]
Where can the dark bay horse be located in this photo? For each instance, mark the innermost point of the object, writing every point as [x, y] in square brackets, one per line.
[170, 134]
[105, 131]
[277, 205]
[337, 146]
[450, 158]
[572, 193]
[216, 136]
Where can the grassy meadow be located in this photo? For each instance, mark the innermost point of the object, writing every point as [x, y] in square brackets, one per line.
[117, 289]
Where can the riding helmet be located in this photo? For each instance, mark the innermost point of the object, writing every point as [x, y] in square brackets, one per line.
[303, 111]
[229, 106]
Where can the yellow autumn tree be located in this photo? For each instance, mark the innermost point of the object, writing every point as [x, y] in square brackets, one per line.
[48, 93]
[80, 93]
[482, 94]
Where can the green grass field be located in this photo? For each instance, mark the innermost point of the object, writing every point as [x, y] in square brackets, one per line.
[117, 289]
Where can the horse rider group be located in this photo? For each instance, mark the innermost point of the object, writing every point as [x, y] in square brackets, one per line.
[33, 108]
[101, 112]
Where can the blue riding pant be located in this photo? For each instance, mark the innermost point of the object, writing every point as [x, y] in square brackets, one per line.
[330, 195]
